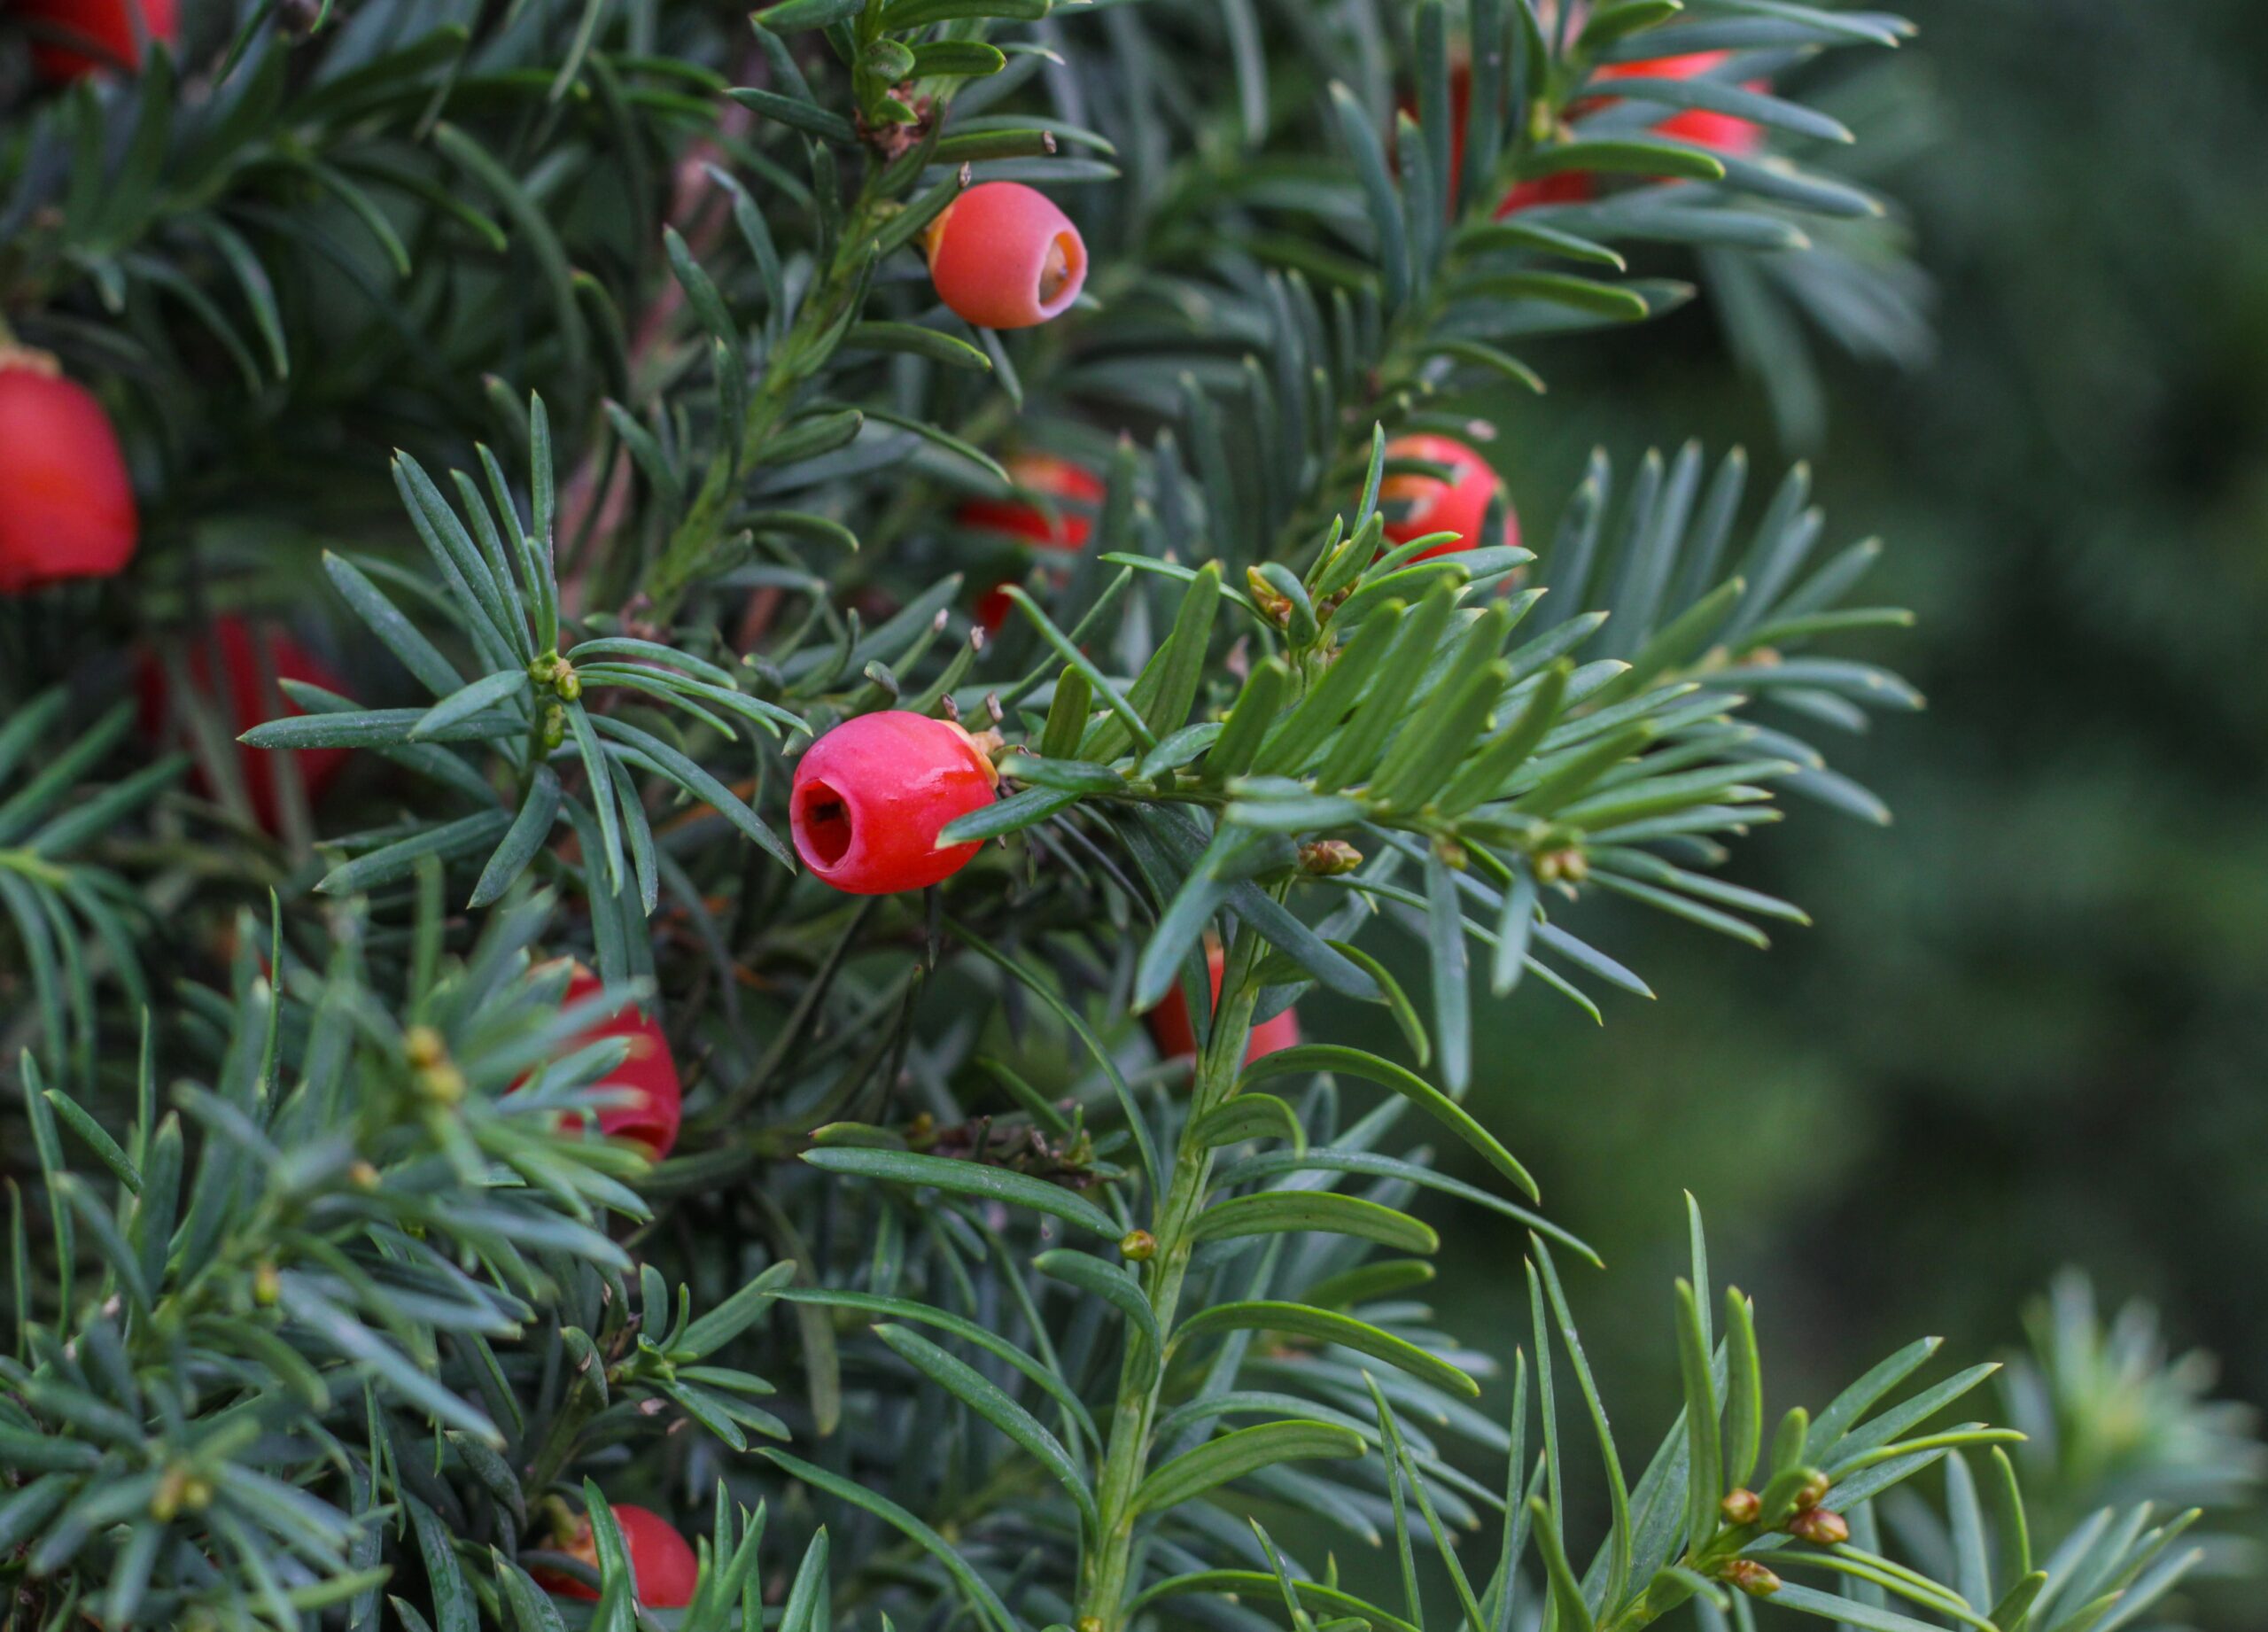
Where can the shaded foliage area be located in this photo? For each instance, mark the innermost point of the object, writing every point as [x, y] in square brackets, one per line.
[951, 1297]
[2026, 1029]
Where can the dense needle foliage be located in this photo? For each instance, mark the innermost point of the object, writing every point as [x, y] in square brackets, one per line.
[570, 380]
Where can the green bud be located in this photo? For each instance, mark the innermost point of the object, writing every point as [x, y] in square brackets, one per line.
[889, 60]
[1570, 866]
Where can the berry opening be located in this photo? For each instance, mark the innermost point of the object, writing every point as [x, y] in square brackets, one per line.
[1061, 272]
[826, 824]
[1055, 271]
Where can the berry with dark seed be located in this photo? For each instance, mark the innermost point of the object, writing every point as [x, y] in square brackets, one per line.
[871, 796]
[1003, 256]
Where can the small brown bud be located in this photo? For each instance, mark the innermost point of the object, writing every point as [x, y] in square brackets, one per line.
[1819, 1527]
[422, 1047]
[1740, 1507]
[1812, 1492]
[1328, 857]
[1138, 1245]
[1274, 604]
[1450, 853]
[1750, 1576]
[362, 1176]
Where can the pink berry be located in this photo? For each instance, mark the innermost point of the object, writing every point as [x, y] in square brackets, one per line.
[1068, 529]
[235, 688]
[1459, 505]
[1065, 531]
[1723, 132]
[67, 506]
[88, 36]
[1177, 1038]
[1002, 256]
[871, 796]
[1726, 133]
[1564, 187]
[648, 1071]
[664, 1567]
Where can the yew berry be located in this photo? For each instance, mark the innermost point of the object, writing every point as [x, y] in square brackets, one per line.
[1063, 526]
[1566, 187]
[87, 36]
[1002, 256]
[67, 508]
[237, 688]
[871, 796]
[664, 1567]
[1459, 505]
[1177, 1038]
[1460, 115]
[649, 1072]
[1724, 133]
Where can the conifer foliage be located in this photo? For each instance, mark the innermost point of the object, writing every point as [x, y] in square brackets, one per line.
[720, 607]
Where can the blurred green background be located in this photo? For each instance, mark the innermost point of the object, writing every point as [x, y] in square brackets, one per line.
[2031, 1025]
